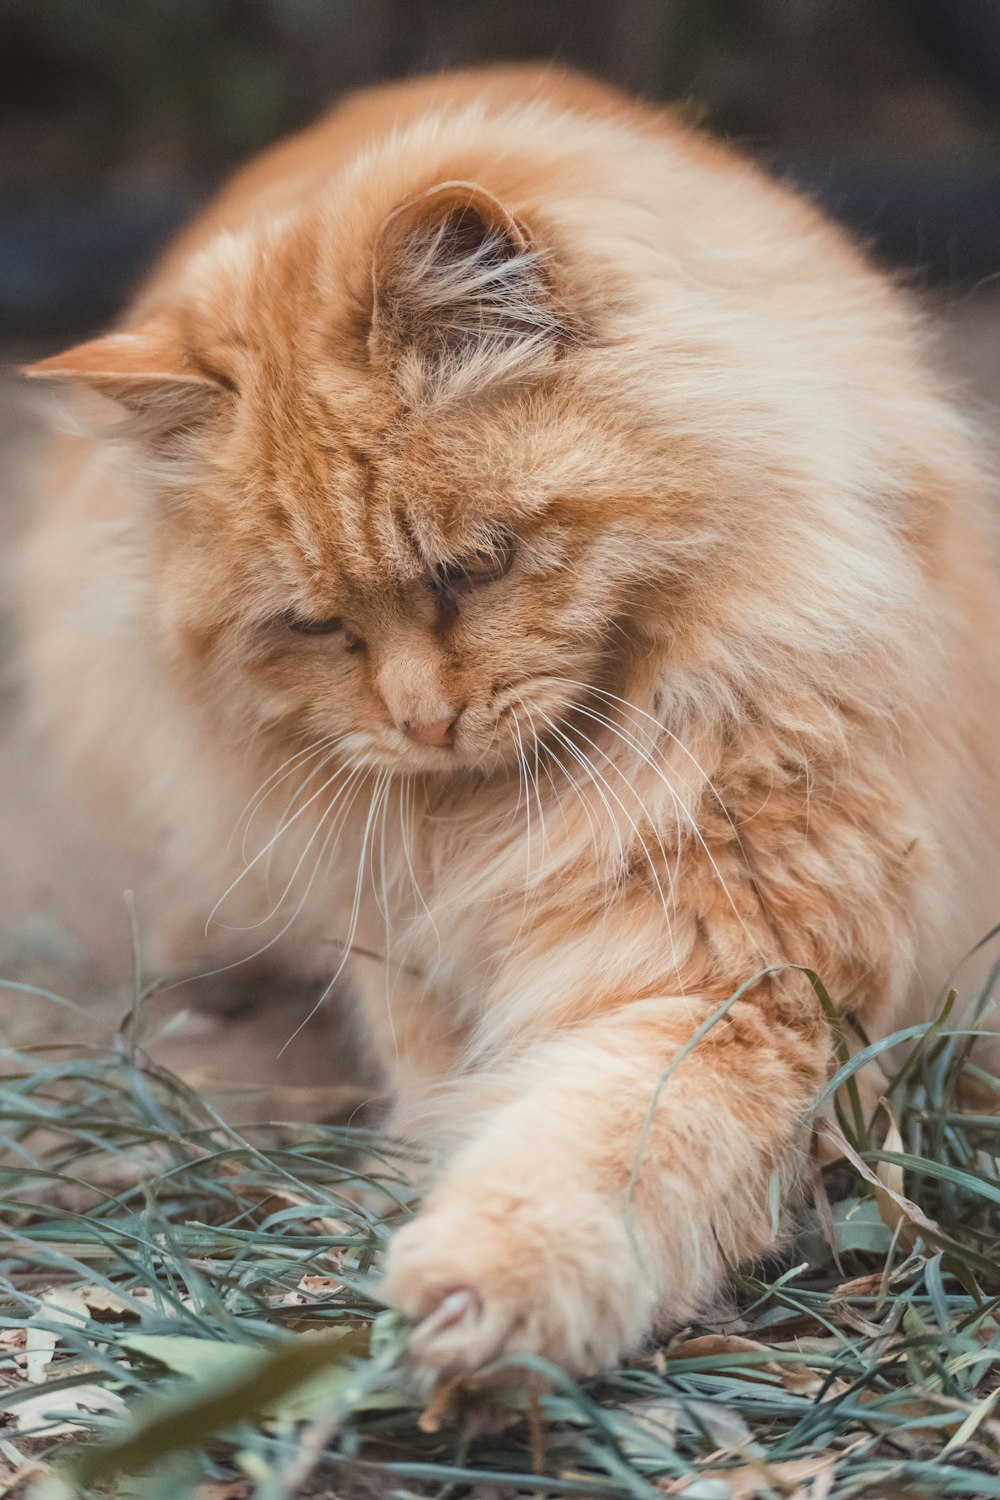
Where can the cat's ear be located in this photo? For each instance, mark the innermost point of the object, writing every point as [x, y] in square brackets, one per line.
[145, 370]
[457, 279]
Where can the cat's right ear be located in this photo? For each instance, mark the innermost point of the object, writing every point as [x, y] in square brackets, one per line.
[145, 370]
[457, 281]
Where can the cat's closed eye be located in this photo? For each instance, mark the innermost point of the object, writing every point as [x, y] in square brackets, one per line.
[303, 626]
[487, 564]
[331, 625]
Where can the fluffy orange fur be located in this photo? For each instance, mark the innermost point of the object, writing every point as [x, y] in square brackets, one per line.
[548, 528]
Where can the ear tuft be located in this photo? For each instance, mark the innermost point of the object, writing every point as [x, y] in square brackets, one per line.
[147, 371]
[457, 281]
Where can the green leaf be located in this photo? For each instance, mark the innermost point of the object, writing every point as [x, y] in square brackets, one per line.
[197, 1415]
[209, 1361]
[214, 1362]
[859, 1226]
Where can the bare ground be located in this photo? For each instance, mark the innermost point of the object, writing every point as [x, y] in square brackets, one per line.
[64, 920]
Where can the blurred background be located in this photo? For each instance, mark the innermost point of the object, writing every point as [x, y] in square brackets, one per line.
[118, 116]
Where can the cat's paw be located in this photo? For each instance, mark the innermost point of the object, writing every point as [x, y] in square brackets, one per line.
[492, 1274]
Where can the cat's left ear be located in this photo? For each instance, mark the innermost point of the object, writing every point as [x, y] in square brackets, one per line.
[145, 370]
[456, 278]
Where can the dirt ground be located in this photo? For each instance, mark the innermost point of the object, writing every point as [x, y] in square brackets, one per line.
[64, 920]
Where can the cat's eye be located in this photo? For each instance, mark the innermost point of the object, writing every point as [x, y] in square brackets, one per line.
[331, 625]
[486, 564]
[302, 626]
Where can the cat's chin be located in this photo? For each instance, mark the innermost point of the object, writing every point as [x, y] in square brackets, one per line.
[473, 755]
[472, 760]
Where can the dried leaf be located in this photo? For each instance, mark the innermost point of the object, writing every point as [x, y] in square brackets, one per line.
[656, 1425]
[912, 1210]
[860, 1286]
[321, 1286]
[15, 1478]
[54, 1410]
[889, 1196]
[58, 1305]
[311, 1287]
[755, 1479]
[798, 1378]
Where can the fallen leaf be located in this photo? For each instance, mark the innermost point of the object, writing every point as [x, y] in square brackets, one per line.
[912, 1210]
[14, 1479]
[74, 1306]
[58, 1410]
[57, 1305]
[320, 1286]
[755, 1479]
[798, 1378]
[50, 1486]
[889, 1196]
[311, 1287]
[841, 1304]
[656, 1426]
[706, 1487]
[860, 1286]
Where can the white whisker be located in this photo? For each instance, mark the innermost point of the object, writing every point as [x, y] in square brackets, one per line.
[588, 764]
[680, 804]
[272, 782]
[406, 785]
[381, 779]
[282, 829]
[523, 782]
[584, 763]
[300, 861]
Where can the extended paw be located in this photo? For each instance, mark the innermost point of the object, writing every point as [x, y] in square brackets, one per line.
[500, 1274]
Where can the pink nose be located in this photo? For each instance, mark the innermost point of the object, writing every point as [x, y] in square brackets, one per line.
[441, 733]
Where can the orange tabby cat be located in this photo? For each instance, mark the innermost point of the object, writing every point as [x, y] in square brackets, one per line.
[551, 525]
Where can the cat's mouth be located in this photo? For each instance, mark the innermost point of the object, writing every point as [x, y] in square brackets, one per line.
[510, 727]
[469, 753]
[482, 741]
[527, 717]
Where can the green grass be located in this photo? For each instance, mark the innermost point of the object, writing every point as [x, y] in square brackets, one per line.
[200, 1304]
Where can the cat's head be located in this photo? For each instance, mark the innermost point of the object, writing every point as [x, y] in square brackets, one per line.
[381, 494]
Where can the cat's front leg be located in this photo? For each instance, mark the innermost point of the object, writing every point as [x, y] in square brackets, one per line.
[584, 1208]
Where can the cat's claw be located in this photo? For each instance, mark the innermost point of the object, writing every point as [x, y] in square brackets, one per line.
[444, 1338]
[459, 1334]
[460, 1307]
[482, 1281]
